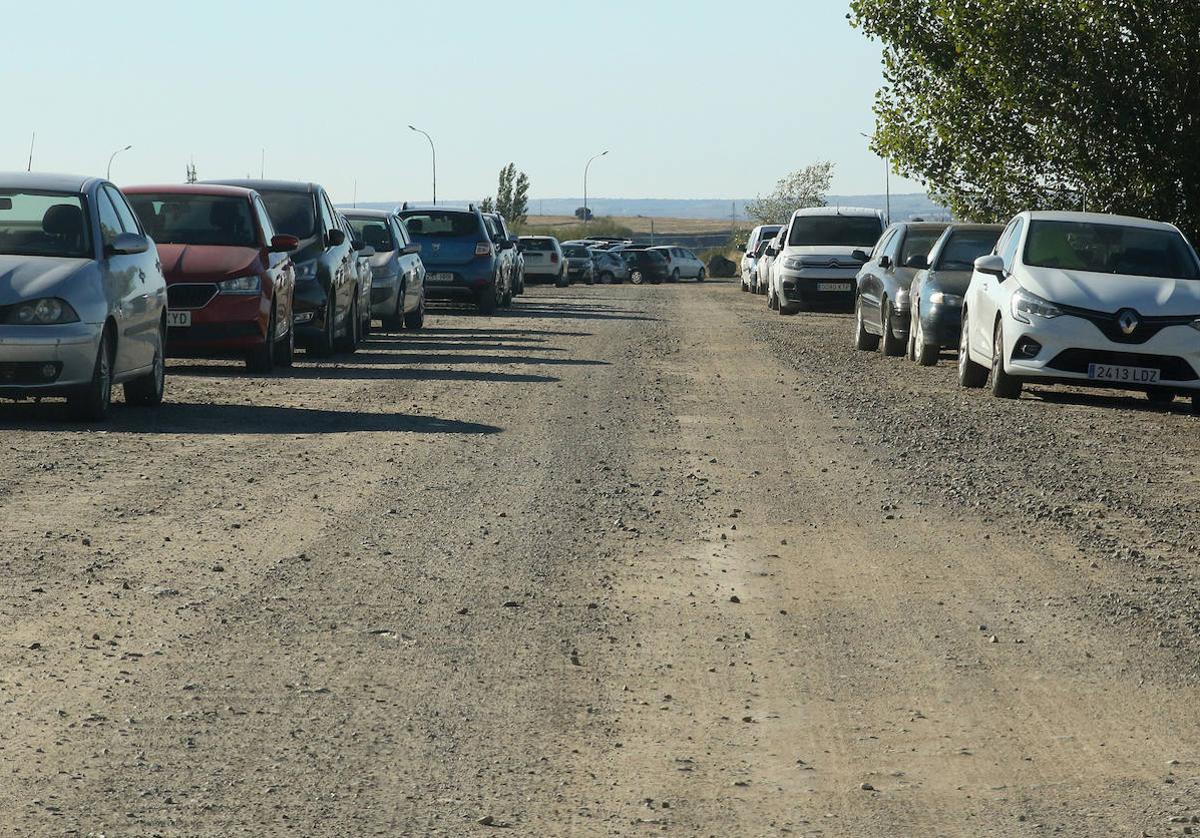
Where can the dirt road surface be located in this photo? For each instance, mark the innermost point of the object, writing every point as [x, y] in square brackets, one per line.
[622, 561]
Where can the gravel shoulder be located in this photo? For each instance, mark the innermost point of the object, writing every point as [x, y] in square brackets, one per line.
[621, 561]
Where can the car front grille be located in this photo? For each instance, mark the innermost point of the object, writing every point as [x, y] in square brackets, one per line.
[1109, 325]
[1170, 367]
[185, 295]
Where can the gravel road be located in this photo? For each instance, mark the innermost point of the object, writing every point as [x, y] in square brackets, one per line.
[621, 561]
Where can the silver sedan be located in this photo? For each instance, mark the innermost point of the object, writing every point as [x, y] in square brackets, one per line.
[82, 297]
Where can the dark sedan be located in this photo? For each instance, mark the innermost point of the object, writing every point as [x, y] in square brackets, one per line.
[646, 266]
[936, 294]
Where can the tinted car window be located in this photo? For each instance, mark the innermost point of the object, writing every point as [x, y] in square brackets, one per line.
[44, 224]
[399, 232]
[110, 222]
[1110, 249]
[197, 219]
[373, 232]
[124, 213]
[919, 243]
[293, 213]
[576, 252]
[964, 247]
[837, 231]
[537, 244]
[264, 220]
[439, 224]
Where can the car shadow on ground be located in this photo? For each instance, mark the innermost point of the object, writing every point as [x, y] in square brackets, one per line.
[1129, 401]
[355, 372]
[240, 419]
[391, 342]
[534, 311]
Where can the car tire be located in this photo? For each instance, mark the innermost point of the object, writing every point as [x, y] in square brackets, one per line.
[1004, 385]
[786, 309]
[415, 320]
[93, 401]
[326, 344]
[147, 391]
[562, 281]
[745, 286]
[635, 277]
[970, 374]
[864, 341]
[890, 345]
[285, 349]
[486, 300]
[1195, 407]
[1160, 397]
[674, 276]
[700, 277]
[395, 322]
[348, 342]
[925, 354]
[262, 359]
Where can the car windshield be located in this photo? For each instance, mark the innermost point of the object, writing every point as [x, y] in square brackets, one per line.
[576, 252]
[373, 232]
[1110, 249]
[292, 213]
[36, 223]
[536, 244]
[196, 219]
[835, 230]
[919, 242]
[441, 225]
[964, 247]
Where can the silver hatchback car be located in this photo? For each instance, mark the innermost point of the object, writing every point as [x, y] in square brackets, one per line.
[82, 297]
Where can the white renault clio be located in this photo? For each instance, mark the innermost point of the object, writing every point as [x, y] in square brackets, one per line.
[1077, 298]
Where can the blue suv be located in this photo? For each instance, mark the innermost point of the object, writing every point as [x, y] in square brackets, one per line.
[463, 262]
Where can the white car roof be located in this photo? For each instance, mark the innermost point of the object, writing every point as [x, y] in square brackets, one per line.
[828, 212]
[1099, 218]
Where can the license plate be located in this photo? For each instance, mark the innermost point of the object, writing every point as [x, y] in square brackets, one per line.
[179, 318]
[833, 286]
[1122, 375]
[441, 277]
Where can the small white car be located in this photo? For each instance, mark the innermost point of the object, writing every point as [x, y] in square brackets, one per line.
[761, 233]
[543, 259]
[762, 269]
[819, 255]
[1077, 298]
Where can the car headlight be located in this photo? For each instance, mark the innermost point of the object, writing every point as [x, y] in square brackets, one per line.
[941, 298]
[240, 285]
[793, 264]
[47, 311]
[1026, 305]
[306, 270]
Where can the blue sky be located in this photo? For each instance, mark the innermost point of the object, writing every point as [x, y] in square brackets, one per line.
[696, 100]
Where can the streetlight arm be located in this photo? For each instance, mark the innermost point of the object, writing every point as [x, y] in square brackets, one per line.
[433, 150]
[585, 177]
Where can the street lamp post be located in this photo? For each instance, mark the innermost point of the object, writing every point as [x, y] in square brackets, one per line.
[887, 180]
[585, 192]
[434, 151]
[108, 174]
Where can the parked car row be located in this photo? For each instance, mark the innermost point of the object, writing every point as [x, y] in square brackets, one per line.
[1050, 298]
[609, 261]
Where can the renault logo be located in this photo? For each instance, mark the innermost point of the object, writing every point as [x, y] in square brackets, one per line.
[1128, 320]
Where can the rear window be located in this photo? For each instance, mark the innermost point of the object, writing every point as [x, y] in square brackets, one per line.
[964, 247]
[536, 244]
[373, 232]
[835, 230]
[441, 225]
[43, 224]
[292, 213]
[1110, 249]
[576, 252]
[196, 219]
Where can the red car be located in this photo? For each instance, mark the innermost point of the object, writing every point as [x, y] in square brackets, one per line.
[230, 278]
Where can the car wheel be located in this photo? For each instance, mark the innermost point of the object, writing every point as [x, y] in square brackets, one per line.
[147, 391]
[325, 345]
[970, 374]
[864, 341]
[745, 286]
[1196, 405]
[486, 299]
[785, 308]
[262, 359]
[349, 341]
[1160, 397]
[700, 277]
[891, 346]
[507, 299]
[395, 322]
[91, 402]
[562, 281]
[1004, 386]
[285, 350]
[674, 276]
[635, 277]
[926, 354]
[415, 320]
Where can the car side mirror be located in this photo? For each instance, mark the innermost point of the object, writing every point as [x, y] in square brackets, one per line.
[411, 249]
[917, 261]
[128, 244]
[861, 255]
[992, 265]
[284, 243]
[335, 238]
[885, 262]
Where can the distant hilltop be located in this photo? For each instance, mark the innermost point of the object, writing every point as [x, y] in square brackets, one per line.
[904, 207]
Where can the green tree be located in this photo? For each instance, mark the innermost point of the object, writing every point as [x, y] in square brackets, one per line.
[519, 208]
[488, 204]
[1001, 107]
[804, 188]
[512, 195]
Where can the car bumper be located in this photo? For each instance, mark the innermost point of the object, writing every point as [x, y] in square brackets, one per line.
[310, 307]
[45, 360]
[454, 282]
[1067, 347]
[818, 289]
[384, 295]
[942, 325]
[227, 324]
[542, 271]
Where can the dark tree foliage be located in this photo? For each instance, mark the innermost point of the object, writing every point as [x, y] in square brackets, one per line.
[1007, 105]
